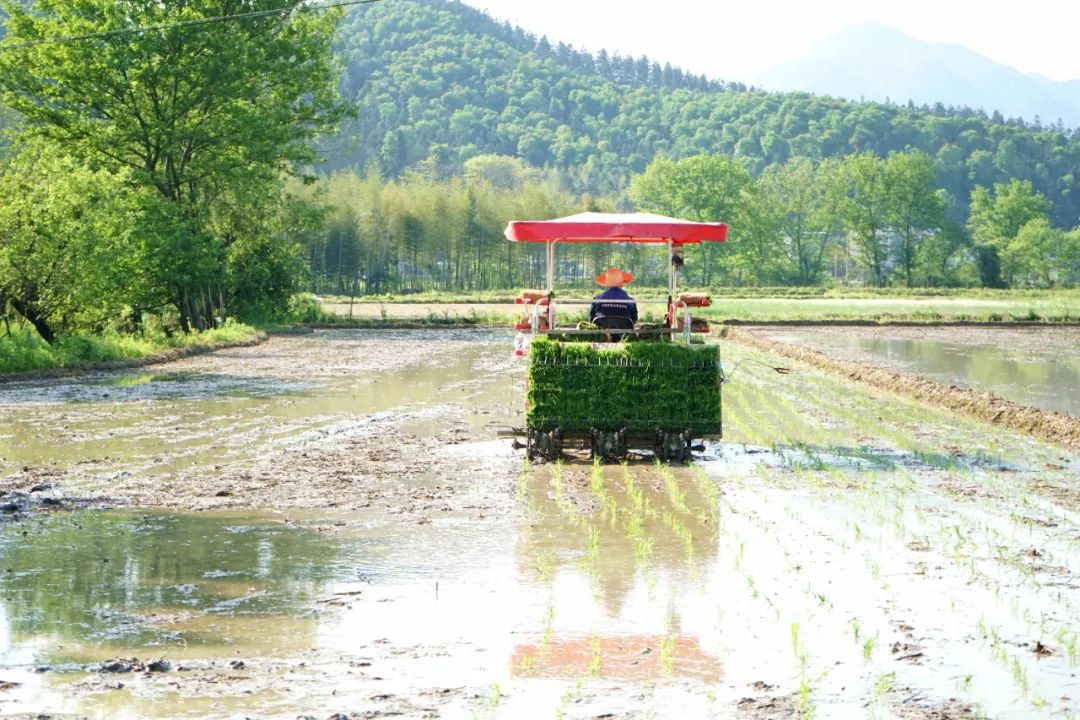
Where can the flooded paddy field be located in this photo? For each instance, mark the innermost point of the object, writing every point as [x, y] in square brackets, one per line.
[330, 524]
[1039, 367]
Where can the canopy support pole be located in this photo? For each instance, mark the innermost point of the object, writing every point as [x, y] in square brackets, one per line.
[551, 283]
[671, 283]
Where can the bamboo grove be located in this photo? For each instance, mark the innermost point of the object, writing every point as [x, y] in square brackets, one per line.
[860, 220]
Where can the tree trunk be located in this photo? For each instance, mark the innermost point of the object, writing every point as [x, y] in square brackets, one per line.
[29, 311]
[182, 306]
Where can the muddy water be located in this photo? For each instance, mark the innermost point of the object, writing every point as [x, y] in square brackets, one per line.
[843, 554]
[206, 413]
[1037, 368]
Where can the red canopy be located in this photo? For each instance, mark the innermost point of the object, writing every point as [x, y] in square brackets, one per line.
[609, 227]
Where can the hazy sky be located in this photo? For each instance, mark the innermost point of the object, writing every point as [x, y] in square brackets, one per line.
[735, 40]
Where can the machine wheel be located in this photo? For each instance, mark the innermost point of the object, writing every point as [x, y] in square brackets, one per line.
[609, 445]
[674, 446]
[544, 445]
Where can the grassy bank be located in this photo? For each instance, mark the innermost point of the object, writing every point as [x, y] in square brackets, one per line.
[25, 351]
[786, 306]
[846, 292]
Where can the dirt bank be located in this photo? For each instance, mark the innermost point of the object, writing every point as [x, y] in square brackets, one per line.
[1054, 426]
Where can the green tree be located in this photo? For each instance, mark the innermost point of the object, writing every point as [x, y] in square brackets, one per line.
[1041, 254]
[946, 258]
[190, 111]
[916, 207]
[704, 188]
[65, 252]
[802, 199]
[866, 211]
[995, 221]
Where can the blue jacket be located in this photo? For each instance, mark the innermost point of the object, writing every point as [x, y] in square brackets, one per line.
[599, 308]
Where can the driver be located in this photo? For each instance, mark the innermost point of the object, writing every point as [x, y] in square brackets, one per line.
[614, 307]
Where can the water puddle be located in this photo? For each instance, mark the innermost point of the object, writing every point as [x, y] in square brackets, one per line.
[1036, 368]
[211, 411]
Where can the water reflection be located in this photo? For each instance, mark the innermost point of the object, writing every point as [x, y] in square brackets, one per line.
[82, 587]
[624, 554]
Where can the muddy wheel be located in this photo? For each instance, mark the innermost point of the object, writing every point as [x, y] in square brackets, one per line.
[609, 445]
[674, 446]
[545, 445]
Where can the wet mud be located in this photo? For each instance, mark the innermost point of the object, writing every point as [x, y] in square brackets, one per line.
[329, 525]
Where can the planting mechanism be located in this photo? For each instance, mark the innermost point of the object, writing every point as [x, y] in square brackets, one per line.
[614, 397]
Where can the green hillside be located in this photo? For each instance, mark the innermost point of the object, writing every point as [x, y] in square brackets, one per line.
[440, 79]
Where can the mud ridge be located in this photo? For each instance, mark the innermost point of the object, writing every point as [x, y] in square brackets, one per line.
[1056, 427]
[164, 356]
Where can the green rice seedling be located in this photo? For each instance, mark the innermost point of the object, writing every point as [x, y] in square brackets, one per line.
[709, 489]
[1020, 676]
[667, 654]
[523, 481]
[806, 707]
[675, 491]
[549, 628]
[593, 551]
[884, 684]
[557, 482]
[545, 564]
[490, 706]
[868, 648]
[643, 548]
[596, 480]
[639, 386]
[526, 664]
[594, 662]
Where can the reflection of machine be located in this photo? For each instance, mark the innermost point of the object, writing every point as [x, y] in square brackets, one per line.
[610, 399]
[625, 658]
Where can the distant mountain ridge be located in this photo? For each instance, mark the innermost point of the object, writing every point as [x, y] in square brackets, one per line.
[437, 83]
[873, 62]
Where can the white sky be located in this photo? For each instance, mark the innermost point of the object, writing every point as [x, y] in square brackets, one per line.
[734, 40]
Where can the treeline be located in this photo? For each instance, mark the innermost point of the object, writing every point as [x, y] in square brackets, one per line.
[441, 82]
[148, 176]
[862, 219]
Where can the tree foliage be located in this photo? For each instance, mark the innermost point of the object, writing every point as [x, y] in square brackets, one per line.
[65, 259]
[996, 219]
[203, 116]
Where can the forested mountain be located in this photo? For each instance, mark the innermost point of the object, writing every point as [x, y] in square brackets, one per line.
[441, 81]
[875, 62]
